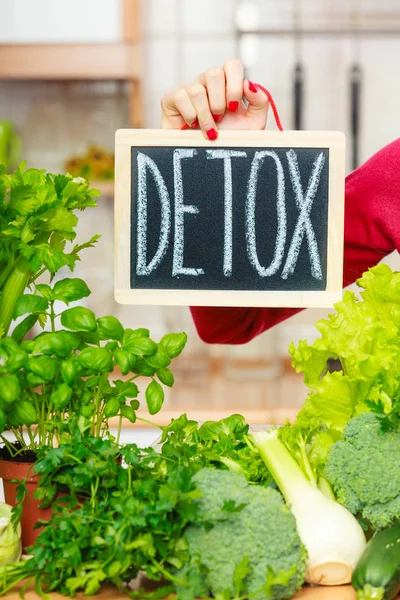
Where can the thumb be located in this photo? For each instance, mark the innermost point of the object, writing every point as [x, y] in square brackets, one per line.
[257, 109]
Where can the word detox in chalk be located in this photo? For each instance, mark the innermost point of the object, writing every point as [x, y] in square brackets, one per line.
[228, 218]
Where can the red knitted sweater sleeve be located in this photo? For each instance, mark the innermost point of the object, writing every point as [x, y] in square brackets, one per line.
[372, 230]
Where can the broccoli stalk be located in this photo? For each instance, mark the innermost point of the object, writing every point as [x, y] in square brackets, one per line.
[332, 536]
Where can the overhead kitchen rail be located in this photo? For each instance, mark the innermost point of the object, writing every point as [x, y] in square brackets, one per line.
[332, 32]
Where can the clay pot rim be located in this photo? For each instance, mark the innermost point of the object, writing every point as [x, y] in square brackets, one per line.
[8, 466]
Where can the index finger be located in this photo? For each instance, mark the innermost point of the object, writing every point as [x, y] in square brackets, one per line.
[234, 73]
[171, 117]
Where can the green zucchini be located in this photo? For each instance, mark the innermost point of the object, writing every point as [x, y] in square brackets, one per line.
[377, 574]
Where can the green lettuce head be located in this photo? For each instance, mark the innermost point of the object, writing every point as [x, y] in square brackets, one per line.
[10, 538]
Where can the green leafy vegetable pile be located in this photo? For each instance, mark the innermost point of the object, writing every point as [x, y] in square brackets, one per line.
[364, 335]
[203, 515]
[119, 511]
[110, 521]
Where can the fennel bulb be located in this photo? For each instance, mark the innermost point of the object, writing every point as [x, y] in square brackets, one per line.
[333, 538]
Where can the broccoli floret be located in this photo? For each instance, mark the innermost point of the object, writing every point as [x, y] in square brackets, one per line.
[245, 540]
[364, 470]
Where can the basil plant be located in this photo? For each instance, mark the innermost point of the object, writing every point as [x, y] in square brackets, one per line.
[59, 384]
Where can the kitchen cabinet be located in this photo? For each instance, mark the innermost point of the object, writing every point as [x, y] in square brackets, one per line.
[61, 22]
[73, 40]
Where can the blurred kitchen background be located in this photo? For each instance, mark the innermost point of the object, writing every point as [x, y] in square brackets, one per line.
[74, 71]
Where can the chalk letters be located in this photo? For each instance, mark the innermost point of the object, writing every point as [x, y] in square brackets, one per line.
[235, 204]
[251, 215]
[142, 268]
[227, 155]
[304, 225]
[180, 210]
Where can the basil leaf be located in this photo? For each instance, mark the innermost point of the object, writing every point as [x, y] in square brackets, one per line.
[61, 396]
[166, 376]
[96, 359]
[154, 397]
[122, 360]
[22, 413]
[112, 407]
[28, 303]
[68, 371]
[22, 328]
[79, 319]
[159, 359]
[173, 343]
[136, 342]
[129, 390]
[44, 366]
[128, 413]
[109, 328]
[16, 361]
[69, 290]
[10, 389]
[52, 343]
[45, 291]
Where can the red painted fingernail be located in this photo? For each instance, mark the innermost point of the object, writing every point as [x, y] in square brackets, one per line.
[212, 134]
[233, 106]
[252, 87]
[195, 124]
[186, 126]
[217, 118]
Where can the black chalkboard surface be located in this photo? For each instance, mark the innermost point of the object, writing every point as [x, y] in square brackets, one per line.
[251, 221]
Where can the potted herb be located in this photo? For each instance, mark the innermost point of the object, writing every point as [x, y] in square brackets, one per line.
[57, 385]
[37, 219]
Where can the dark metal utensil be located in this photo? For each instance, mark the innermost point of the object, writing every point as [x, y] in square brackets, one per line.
[298, 96]
[355, 91]
[298, 82]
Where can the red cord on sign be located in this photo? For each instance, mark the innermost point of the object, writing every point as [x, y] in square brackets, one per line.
[273, 106]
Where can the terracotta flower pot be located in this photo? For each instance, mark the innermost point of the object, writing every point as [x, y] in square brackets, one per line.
[31, 511]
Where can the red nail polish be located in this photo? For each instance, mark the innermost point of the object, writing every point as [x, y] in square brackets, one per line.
[217, 118]
[212, 134]
[195, 124]
[185, 126]
[233, 106]
[252, 87]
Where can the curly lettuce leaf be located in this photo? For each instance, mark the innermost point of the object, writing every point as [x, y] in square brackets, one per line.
[364, 334]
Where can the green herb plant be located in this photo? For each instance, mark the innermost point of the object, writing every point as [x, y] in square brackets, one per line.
[224, 444]
[60, 382]
[37, 219]
[111, 520]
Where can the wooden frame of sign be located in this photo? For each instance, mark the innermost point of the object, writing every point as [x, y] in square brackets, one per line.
[294, 156]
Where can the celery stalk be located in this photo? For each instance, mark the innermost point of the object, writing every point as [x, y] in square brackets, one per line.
[13, 288]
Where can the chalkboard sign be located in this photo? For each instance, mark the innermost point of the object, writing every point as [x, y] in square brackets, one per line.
[253, 219]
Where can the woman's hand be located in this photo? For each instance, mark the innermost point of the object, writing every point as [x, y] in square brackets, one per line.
[214, 97]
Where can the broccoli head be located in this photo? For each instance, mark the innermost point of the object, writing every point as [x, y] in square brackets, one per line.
[364, 470]
[244, 542]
